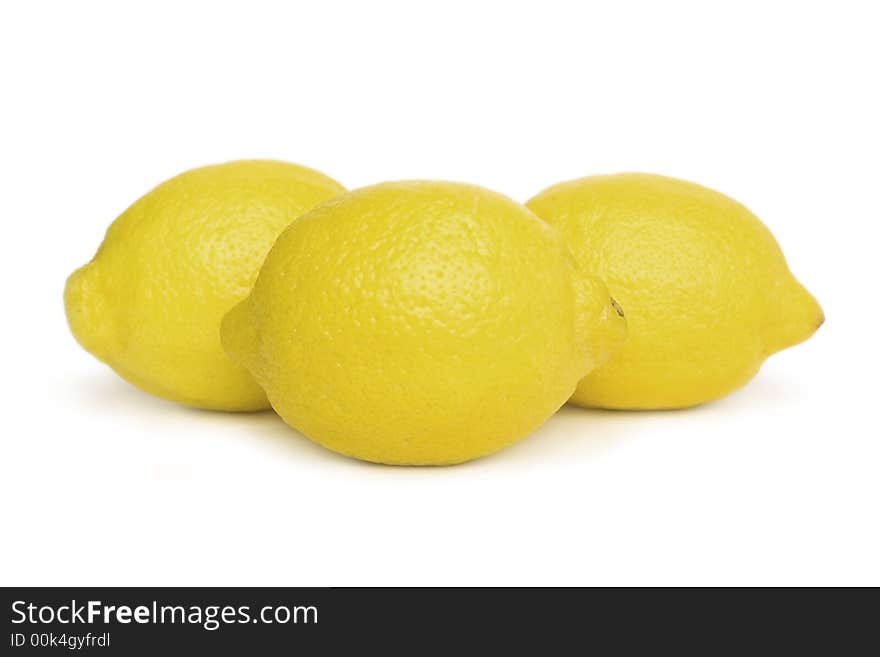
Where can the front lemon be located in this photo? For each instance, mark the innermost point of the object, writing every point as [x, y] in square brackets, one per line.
[420, 323]
[149, 304]
[707, 291]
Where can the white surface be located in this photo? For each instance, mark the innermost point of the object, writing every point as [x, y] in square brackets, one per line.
[773, 103]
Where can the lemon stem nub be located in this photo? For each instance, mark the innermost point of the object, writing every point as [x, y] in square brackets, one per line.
[796, 315]
[87, 312]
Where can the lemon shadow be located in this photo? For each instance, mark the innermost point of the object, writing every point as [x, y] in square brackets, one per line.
[270, 430]
[105, 393]
[572, 433]
[768, 390]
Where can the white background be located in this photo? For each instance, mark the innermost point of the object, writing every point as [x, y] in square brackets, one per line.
[773, 103]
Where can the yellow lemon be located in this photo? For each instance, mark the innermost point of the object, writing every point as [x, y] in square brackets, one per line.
[707, 292]
[420, 323]
[150, 302]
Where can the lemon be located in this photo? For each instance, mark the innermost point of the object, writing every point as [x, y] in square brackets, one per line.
[420, 323]
[706, 288]
[150, 302]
